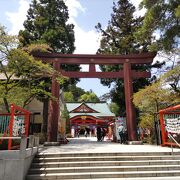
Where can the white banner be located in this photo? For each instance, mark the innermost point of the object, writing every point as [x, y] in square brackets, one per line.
[18, 126]
[173, 125]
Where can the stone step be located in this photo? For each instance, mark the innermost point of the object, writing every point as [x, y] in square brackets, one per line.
[139, 178]
[107, 158]
[92, 175]
[104, 169]
[39, 155]
[103, 163]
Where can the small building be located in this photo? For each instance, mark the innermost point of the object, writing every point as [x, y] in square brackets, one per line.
[87, 116]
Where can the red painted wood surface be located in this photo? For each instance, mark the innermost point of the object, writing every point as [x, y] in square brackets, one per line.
[93, 74]
[53, 116]
[142, 58]
[16, 111]
[130, 111]
[164, 134]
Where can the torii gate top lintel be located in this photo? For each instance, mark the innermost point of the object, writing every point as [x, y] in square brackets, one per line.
[91, 59]
[142, 58]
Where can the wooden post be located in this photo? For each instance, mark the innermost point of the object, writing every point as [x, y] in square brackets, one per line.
[11, 126]
[54, 107]
[130, 112]
[92, 68]
[162, 125]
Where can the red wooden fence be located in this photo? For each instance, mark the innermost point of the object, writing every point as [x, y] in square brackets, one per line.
[18, 123]
[170, 123]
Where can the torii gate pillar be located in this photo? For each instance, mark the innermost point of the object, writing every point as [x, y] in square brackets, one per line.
[130, 111]
[53, 115]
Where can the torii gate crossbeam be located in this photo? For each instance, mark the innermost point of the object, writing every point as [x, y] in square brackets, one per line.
[127, 74]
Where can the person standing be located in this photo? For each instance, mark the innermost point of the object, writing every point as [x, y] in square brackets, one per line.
[85, 133]
[99, 133]
[121, 132]
[103, 134]
[78, 132]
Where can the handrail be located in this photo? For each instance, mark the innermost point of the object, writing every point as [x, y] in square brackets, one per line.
[33, 141]
[172, 138]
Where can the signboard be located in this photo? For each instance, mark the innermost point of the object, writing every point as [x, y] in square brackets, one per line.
[173, 125]
[18, 126]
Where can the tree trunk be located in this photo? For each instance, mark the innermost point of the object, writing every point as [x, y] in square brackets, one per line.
[6, 105]
[45, 115]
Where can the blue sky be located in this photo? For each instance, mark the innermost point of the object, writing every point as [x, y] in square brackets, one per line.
[84, 14]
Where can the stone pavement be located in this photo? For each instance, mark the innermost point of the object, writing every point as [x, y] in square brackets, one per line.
[90, 144]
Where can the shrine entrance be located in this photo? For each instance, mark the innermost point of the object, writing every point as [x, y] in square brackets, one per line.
[85, 117]
[88, 124]
[127, 74]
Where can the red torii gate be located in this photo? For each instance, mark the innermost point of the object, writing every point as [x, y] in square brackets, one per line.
[127, 74]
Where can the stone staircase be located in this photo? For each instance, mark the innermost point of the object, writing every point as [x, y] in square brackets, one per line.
[138, 165]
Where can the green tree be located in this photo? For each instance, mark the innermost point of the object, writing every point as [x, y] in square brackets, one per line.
[21, 75]
[149, 101]
[118, 38]
[114, 108]
[68, 97]
[160, 94]
[76, 91]
[156, 96]
[162, 17]
[47, 23]
[65, 115]
[172, 78]
[152, 98]
[89, 96]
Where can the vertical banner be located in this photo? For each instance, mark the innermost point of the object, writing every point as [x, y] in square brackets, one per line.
[18, 126]
[173, 125]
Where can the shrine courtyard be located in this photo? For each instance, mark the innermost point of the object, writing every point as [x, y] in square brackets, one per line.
[90, 144]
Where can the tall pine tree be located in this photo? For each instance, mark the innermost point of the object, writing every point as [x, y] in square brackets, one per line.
[47, 23]
[118, 38]
[162, 17]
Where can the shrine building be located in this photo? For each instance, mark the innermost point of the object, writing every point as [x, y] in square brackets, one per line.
[87, 116]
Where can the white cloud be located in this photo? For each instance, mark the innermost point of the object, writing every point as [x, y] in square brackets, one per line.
[86, 42]
[18, 17]
[136, 3]
[138, 11]
[74, 8]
